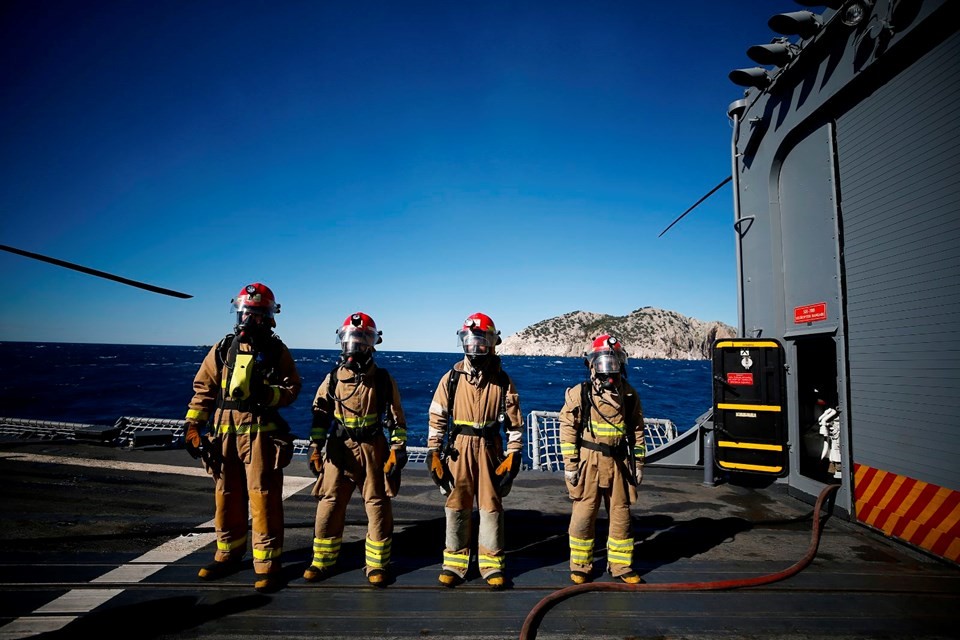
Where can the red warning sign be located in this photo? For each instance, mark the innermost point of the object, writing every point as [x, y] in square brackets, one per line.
[740, 379]
[810, 313]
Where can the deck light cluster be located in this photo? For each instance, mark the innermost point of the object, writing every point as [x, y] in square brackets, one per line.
[779, 53]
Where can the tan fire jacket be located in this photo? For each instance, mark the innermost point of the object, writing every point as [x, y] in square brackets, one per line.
[280, 372]
[356, 406]
[605, 423]
[477, 405]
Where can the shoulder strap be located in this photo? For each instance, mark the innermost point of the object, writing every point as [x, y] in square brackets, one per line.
[504, 381]
[223, 349]
[628, 422]
[451, 394]
[452, 429]
[384, 391]
[332, 384]
[584, 405]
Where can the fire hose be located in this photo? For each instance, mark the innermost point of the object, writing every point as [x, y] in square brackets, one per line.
[532, 622]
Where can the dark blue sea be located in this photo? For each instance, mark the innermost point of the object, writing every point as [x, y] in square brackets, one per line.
[98, 383]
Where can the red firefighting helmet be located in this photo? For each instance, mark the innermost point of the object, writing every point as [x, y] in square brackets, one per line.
[606, 355]
[478, 335]
[256, 300]
[358, 334]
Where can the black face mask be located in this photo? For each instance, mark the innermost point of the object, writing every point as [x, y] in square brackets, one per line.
[355, 362]
[478, 361]
[252, 332]
[608, 381]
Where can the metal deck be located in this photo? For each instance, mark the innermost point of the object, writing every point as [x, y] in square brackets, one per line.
[104, 542]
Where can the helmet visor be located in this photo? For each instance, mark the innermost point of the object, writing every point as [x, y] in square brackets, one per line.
[607, 362]
[356, 339]
[244, 305]
[476, 342]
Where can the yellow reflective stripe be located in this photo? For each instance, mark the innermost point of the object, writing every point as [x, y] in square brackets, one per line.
[749, 445]
[327, 545]
[491, 562]
[619, 558]
[620, 545]
[620, 551]
[324, 561]
[605, 430]
[475, 425]
[749, 407]
[758, 344]
[356, 422]
[197, 415]
[230, 546]
[266, 554]
[459, 560]
[399, 436]
[568, 449]
[318, 433]
[581, 551]
[749, 467]
[581, 543]
[325, 552]
[274, 397]
[377, 553]
[248, 428]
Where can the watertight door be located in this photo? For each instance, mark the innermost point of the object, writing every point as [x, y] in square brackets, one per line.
[748, 412]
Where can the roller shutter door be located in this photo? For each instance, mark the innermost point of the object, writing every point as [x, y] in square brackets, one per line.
[898, 159]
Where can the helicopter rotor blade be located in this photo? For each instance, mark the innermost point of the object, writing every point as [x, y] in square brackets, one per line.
[709, 193]
[95, 272]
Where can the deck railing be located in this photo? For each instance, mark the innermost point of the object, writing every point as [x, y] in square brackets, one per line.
[541, 441]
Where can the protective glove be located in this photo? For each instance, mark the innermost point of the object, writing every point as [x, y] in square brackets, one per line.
[638, 472]
[439, 472]
[573, 477]
[315, 461]
[507, 471]
[395, 462]
[262, 393]
[192, 439]
[202, 448]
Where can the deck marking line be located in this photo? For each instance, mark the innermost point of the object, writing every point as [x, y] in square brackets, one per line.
[83, 601]
[29, 627]
[152, 467]
[79, 601]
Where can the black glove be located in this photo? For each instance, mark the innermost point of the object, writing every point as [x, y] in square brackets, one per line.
[507, 471]
[262, 393]
[316, 459]
[210, 456]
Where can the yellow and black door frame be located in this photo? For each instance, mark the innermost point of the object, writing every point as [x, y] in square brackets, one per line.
[748, 406]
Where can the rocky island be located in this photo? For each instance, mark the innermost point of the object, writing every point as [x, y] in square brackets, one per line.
[646, 333]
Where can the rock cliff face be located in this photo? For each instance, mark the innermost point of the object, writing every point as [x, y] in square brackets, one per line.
[645, 333]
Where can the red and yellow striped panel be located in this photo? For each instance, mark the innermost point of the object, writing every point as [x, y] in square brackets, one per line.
[923, 514]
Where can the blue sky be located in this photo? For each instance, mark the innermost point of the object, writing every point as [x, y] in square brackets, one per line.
[418, 161]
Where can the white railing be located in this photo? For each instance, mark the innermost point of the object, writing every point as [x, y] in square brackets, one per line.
[543, 438]
[541, 441]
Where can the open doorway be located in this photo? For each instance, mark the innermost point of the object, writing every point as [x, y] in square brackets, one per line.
[817, 394]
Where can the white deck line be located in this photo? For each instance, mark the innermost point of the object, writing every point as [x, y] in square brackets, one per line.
[63, 610]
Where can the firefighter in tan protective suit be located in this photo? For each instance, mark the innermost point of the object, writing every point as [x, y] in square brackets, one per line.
[242, 382]
[356, 409]
[472, 404]
[601, 440]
